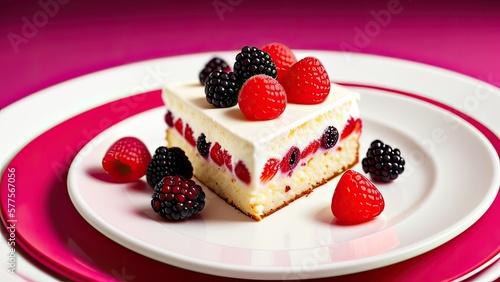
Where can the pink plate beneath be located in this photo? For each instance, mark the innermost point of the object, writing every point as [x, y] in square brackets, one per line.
[50, 229]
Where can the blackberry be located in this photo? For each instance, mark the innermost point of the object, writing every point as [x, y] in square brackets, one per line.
[221, 89]
[330, 137]
[203, 146]
[251, 61]
[177, 198]
[382, 162]
[168, 161]
[213, 65]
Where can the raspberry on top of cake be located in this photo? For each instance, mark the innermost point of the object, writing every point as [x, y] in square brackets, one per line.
[261, 138]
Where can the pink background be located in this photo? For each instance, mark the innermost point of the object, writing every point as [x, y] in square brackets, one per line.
[70, 38]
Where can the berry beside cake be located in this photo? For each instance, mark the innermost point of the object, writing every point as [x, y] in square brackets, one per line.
[292, 131]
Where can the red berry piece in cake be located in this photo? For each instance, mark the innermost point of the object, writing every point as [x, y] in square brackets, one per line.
[356, 199]
[310, 149]
[262, 98]
[242, 172]
[382, 162]
[168, 161]
[228, 160]
[251, 61]
[282, 56]
[177, 198]
[306, 82]
[353, 125]
[189, 135]
[169, 119]
[179, 126]
[221, 89]
[290, 161]
[202, 145]
[126, 160]
[330, 137]
[216, 154]
[214, 64]
[270, 169]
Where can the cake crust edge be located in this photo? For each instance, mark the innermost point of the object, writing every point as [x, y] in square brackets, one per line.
[310, 190]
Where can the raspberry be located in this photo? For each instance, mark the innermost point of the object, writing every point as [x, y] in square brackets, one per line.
[203, 146]
[270, 169]
[382, 162]
[177, 198]
[168, 161]
[306, 82]
[310, 149]
[291, 159]
[353, 125]
[262, 98]
[251, 61]
[169, 119]
[242, 172]
[228, 160]
[126, 160]
[216, 154]
[221, 89]
[213, 65]
[179, 126]
[356, 199]
[188, 134]
[330, 137]
[282, 57]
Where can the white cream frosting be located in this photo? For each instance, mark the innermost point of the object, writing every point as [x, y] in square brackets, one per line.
[255, 142]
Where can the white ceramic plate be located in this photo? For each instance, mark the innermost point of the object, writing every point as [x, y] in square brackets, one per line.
[473, 97]
[429, 204]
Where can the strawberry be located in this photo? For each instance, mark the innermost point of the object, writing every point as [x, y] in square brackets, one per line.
[126, 160]
[306, 82]
[270, 169]
[242, 172]
[356, 199]
[282, 57]
[216, 154]
[262, 98]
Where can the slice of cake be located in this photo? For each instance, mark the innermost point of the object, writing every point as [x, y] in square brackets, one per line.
[260, 167]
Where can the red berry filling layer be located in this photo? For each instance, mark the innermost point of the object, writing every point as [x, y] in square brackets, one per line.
[208, 150]
[220, 156]
[328, 140]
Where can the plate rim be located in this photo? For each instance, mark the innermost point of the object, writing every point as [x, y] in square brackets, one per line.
[29, 100]
[214, 267]
[64, 113]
